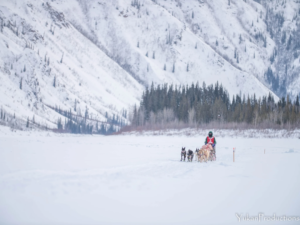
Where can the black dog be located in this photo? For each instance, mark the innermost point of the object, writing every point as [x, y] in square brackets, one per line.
[196, 153]
[190, 155]
[183, 153]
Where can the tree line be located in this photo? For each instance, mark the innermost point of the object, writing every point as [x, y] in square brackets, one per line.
[79, 124]
[191, 106]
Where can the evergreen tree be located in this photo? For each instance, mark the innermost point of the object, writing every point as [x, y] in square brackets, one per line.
[59, 124]
[62, 57]
[283, 38]
[289, 42]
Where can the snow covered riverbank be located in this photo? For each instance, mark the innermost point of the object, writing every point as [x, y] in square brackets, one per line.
[233, 133]
[128, 179]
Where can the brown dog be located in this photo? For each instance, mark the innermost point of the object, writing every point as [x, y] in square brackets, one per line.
[206, 153]
[200, 155]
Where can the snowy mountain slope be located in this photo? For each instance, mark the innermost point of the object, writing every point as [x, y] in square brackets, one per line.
[101, 54]
[283, 25]
[201, 35]
[163, 31]
[84, 74]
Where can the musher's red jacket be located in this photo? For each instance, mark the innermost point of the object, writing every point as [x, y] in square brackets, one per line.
[211, 140]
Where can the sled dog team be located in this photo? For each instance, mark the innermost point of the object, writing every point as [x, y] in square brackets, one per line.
[206, 153]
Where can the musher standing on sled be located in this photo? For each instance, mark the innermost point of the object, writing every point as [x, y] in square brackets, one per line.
[210, 139]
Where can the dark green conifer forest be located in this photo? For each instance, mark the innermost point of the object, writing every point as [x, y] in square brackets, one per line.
[169, 106]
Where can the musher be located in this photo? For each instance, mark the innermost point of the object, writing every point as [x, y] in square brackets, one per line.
[210, 139]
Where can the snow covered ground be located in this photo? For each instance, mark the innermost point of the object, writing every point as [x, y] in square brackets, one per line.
[48, 178]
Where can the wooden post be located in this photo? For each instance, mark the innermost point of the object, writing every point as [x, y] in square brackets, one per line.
[265, 151]
[233, 153]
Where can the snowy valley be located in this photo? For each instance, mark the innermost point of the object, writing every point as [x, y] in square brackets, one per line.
[74, 67]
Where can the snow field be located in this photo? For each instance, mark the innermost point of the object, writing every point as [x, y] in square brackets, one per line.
[71, 179]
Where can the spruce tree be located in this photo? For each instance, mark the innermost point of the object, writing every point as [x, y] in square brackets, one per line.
[289, 42]
[297, 101]
[62, 57]
[54, 81]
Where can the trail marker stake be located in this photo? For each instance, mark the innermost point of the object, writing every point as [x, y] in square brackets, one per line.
[233, 154]
[265, 151]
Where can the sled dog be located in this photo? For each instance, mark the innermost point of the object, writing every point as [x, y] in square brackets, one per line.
[183, 154]
[190, 155]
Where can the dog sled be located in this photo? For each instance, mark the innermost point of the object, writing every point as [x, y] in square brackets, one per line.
[212, 156]
[206, 153]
